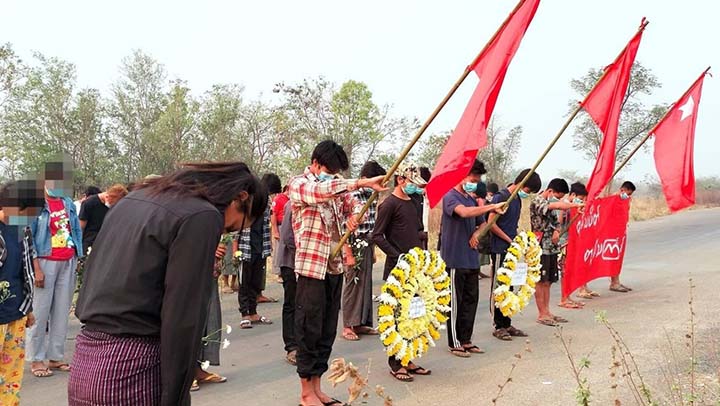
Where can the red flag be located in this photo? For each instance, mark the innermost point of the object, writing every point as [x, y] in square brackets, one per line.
[604, 104]
[674, 142]
[596, 242]
[470, 134]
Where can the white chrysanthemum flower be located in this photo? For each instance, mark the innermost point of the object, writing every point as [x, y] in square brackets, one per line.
[205, 365]
[228, 329]
[225, 343]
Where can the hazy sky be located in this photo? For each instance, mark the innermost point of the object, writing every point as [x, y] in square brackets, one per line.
[408, 52]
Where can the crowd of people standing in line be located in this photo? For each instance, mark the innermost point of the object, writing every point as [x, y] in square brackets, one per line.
[151, 316]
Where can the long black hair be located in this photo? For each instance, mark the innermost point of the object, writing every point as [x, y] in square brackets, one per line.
[217, 182]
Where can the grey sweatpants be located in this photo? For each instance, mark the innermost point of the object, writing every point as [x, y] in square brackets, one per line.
[52, 303]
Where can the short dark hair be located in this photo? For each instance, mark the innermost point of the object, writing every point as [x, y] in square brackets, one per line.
[372, 169]
[534, 183]
[217, 182]
[478, 168]
[331, 155]
[578, 189]
[425, 173]
[559, 185]
[22, 194]
[493, 188]
[627, 185]
[92, 190]
[271, 182]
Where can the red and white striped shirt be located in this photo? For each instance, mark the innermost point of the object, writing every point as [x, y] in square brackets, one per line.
[318, 211]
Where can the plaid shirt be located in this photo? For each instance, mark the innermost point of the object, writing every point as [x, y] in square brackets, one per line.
[362, 195]
[317, 207]
[244, 240]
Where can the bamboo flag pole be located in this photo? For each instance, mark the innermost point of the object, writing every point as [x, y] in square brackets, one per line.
[424, 127]
[575, 112]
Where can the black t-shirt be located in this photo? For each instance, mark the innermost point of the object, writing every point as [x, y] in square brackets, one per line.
[93, 211]
[508, 222]
[396, 226]
[417, 200]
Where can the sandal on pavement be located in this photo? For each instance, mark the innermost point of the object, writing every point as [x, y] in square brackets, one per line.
[43, 372]
[459, 352]
[625, 287]
[418, 370]
[262, 320]
[474, 349]
[265, 299]
[559, 319]
[333, 401]
[195, 386]
[516, 332]
[584, 295]
[547, 322]
[619, 288]
[570, 305]
[368, 331]
[594, 294]
[212, 378]
[401, 375]
[350, 336]
[245, 323]
[59, 366]
[291, 357]
[502, 334]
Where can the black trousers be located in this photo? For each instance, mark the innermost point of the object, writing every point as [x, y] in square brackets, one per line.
[465, 288]
[250, 286]
[317, 305]
[499, 320]
[288, 309]
[390, 263]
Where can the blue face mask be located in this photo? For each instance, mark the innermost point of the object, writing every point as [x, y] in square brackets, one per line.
[470, 187]
[55, 192]
[578, 200]
[410, 189]
[322, 177]
[624, 196]
[19, 221]
[523, 194]
[553, 199]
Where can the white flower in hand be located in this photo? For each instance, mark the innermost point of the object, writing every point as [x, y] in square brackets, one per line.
[205, 365]
[225, 343]
[228, 329]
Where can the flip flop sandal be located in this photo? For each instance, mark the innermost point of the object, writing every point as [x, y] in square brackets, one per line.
[368, 331]
[459, 352]
[560, 319]
[350, 336]
[584, 295]
[262, 320]
[547, 322]
[41, 372]
[402, 376]
[516, 332]
[502, 334]
[63, 367]
[334, 401]
[418, 370]
[291, 358]
[619, 289]
[570, 305]
[212, 378]
[195, 386]
[474, 349]
[625, 287]
[265, 299]
[594, 294]
[244, 324]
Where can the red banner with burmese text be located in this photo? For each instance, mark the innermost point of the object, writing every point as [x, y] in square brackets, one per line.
[596, 242]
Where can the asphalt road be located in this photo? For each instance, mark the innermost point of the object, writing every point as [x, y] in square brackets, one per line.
[661, 254]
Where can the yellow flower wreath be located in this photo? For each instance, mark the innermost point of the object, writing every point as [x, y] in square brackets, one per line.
[418, 282]
[524, 246]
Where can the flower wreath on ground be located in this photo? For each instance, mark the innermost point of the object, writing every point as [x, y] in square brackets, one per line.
[414, 304]
[524, 249]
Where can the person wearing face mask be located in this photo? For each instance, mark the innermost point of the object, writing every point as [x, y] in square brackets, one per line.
[578, 194]
[320, 205]
[148, 283]
[58, 241]
[626, 191]
[544, 221]
[93, 211]
[422, 206]
[502, 234]
[20, 202]
[397, 232]
[462, 218]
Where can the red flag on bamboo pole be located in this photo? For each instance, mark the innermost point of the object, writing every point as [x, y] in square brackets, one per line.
[604, 104]
[470, 135]
[674, 144]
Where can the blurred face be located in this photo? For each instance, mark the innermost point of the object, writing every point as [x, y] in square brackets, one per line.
[558, 195]
[237, 215]
[318, 169]
[626, 191]
[13, 216]
[111, 199]
[57, 188]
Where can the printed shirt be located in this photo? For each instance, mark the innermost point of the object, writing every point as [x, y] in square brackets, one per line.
[63, 246]
[362, 195]
[244, 241]
[316, 210]
[544, 220]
